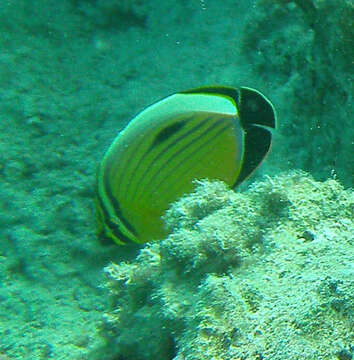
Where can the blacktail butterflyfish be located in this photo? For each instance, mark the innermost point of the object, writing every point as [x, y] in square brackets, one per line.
[211, 132]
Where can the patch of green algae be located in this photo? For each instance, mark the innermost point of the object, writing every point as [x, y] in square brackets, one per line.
[266, 274]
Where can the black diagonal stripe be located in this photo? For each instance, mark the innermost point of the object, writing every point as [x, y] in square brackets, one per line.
[196, 160]
[207, 142]
[137, 166]
[163, 150]
[123, 171]
[210, 128]
[108, 223]
[166, 133]
[115, 204]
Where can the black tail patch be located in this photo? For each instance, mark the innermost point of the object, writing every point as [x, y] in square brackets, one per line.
[256, 114]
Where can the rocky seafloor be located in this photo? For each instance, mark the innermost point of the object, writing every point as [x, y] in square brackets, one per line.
[266, 274]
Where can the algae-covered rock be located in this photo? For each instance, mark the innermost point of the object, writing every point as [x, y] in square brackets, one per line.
[267, 274]
[309, 45]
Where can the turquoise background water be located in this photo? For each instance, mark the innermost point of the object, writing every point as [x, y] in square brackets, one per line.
[74, 72]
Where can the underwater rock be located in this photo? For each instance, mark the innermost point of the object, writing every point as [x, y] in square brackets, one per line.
[240, 277]
[303, 41]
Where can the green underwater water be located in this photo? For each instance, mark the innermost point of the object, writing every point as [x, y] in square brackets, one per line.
[275, 284]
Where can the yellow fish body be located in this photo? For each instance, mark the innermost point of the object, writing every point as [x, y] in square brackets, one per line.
[213, 132]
